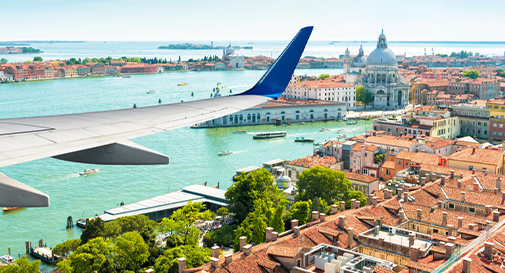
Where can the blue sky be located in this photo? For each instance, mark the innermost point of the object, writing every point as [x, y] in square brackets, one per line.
[169, 20]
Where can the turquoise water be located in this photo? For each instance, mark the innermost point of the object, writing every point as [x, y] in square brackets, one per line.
[193, 152]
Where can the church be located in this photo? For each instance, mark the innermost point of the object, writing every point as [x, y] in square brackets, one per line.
[378, 73]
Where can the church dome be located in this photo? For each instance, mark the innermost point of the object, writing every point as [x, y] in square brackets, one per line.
[229, 50]
[283, 179]
[360, 60]
[382, 55]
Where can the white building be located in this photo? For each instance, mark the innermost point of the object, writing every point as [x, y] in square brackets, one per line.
[283, 110]
[322, 90]
[229, 57]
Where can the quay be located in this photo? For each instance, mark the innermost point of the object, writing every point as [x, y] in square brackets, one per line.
[162, 206]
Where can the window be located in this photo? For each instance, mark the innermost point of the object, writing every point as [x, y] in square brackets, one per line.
[501, 126]
[494, 125]
[471, 210]
[451, 206]
[494, 133]
[485, 123]
[399, 162]
[500, 133]
[387, 171]
[470, 167]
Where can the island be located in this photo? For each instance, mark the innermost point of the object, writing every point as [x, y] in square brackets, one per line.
[19, 50]
[198, 46]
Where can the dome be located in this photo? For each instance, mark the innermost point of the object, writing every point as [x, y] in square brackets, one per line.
[360, 60]
[229, 50]
[283, 179]
[382, 55]
[347, 51]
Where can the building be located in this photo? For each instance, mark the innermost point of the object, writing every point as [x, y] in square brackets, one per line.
[363, 161]
[327, 90]
[84, 70]
[496, 109]
[490, 160]
[364, 183]
[483, 89]
[295, 167]
[97, 68]
[420, 91]
[378, 73]
[387, 170]
[473, 118]
[229, 58]
[282, 110]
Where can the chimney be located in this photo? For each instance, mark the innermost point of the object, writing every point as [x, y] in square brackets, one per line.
[466, 265]
[401, 215]
[228, 258]
[476, 186]
[489, 208]
[427, 176]
[247, 250]
[449, 229]
[412, 238]
[351, 237]
[405, 196]
[294, 223]
[452, 174]
[442, 181]
[496, 216]
[419, 211]
[357, 204]
[495, 190]
[502, 198]
[334, 209]
[444, 219]
[471, 226]
[342, 206]
[243, 242]
[341, 222]
[460, 222]
[485, 172]
[370, 196]
[461, 175]
[440, 204]
[353, 201]
[423, 181]
[214, 262]
[215, 251]
[268, 234]
[275, 234]
[449, 248]
[463, 196]
[182, 264]
[400, 192]
[460, 184]
[451, 239]
[296, 231]
[322, 217]
[488, 250]
[433, 176]
[498, 184]
[315, 215]
[387, 194]
[414, 253]
[374, 201]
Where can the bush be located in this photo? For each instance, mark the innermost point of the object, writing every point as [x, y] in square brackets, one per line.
[222, 237]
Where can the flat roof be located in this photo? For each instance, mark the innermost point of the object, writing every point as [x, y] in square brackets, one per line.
[275, 161]
[248, 169]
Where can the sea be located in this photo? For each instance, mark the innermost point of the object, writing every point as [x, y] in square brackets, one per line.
[193, 152]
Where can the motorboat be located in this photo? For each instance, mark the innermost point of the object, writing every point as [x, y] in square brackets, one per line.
[81, 223]
[319, 144]
[88, 172]
[11, 208]
[225, 153]
[303, 123]
[128, 76]
[182, 84]
[304, 139]
[151, 92]
[240, 132]
[324, 130]
[267, 135]
[340, 130]
[6, 259]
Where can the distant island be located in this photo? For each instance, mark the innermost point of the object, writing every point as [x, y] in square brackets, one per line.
[19, 50]
[199, 46]
[39, 42]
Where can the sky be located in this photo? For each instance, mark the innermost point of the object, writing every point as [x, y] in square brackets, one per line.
[218, 20]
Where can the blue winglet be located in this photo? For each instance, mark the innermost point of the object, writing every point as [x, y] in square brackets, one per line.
[274, 81]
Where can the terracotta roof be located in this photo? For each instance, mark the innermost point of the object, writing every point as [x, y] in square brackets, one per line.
[475, 233]
[388, 141]
[283, 251]
[419, 266]
[438, 249]
[368, 148]
[360, 177]
[313, 161]
[425, 158]
[405, 155]
[382, 269]
[388, 164]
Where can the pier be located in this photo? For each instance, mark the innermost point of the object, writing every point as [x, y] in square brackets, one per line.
[162, 206]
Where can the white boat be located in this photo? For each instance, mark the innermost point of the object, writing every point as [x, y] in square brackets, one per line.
[151, 92]
[267, 135]
[340, 130]
[6, 259]
[88, 172]
[225, 153]
[324, 130]
[127, 76]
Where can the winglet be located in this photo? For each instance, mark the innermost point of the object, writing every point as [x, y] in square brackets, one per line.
[274, 81]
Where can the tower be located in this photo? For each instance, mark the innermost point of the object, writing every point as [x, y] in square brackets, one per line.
[347, 61]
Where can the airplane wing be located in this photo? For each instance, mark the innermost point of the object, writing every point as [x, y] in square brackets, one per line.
[103, 137]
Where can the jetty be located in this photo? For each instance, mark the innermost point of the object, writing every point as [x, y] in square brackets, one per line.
[162, 206]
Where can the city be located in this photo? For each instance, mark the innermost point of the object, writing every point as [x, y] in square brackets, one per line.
[322, 157]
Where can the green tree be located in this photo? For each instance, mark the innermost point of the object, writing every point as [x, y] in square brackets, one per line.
[93, 229]
[248, 188]
[329, 185]
[182, 222]
[3, 60]
[301, 211]
[149, 235]
[359, 196]
[88, 257]
[22, 265]
[244, 229]
[324, 76]
[223, 211]
[195, 256]
[131, 251]
[37, 59]
[66, 247]
[362, 95]
[320, 205]
[222, 237]
[277, 223]
[111, 229]
[477, 54]
[259, 226]
[134, 223]
[473, 74]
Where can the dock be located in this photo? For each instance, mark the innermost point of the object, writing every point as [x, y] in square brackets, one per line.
[162, 206]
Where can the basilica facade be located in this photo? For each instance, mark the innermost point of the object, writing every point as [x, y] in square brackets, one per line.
[378, 73]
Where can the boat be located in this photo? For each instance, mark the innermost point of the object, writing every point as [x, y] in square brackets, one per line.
[351, 122]
[6, 259]
[303, 123]
[151, 92]
[11, 208]
[341, 136]
[225, 153]
[182, 84]
[319, 144]
[240, 132]
[81, 223]
[304, 139]
[88, 172]
[267, 135]
[340, 130]
[128, 76]
[324, 130]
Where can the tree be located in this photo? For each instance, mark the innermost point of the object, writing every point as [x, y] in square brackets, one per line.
[182, 222]
[359, 196]
[66, 247]
[245, 229]
[131, 251]
[149, 236]
[363, 96]
[3, 60]
[222, 237]
[22, 265]
[473, 74]
[277, 224]
[223, 211]
[195, 256]
[37, 59]
[248, 188]
[259, 226]
[93, 229]
[477, 54]
[88, 257]
[329, 185]
[134, 223]
[321, 206]
[324, 76]
[301, 211]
